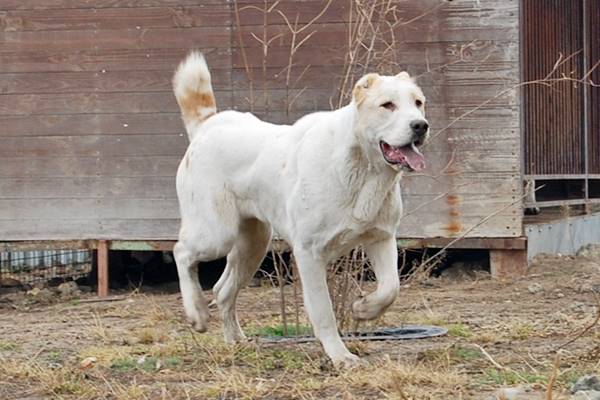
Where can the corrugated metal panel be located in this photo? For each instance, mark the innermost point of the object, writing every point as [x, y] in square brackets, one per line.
[553, 123]
[565, 236]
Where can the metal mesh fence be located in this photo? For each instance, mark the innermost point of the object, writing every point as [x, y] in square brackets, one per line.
[29, 267]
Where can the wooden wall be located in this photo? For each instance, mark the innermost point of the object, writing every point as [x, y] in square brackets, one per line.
[91, 136]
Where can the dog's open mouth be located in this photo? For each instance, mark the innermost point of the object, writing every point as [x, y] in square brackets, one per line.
[407, 156]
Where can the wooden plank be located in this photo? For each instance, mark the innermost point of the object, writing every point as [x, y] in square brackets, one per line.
[115, 39]
[95, 146]
[84, 59]
[252, 12]
[423, 14]
[468, 73]
[329, 34]
[470, 204]
[519, 243]
[100, 208]
[508, 264]
[96, 4]
[410, 53]
[142, 245]
[89, 187]
[471, 162]
[116, 18]
[427, 187]
[95, 103]
[103, 268]
[38, 245]
[99, 82]
[91, 124]
[89, 228]
[93, 167]
[440, 225]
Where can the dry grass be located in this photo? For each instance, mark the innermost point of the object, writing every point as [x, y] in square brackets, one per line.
[149, 351]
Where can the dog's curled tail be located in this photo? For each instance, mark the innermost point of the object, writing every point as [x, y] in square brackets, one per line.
[193, 91]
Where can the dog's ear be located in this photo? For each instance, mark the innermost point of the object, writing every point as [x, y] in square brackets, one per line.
[361, 87]
[403, 75]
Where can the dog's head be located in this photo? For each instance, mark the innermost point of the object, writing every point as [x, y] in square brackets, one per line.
[391, 119]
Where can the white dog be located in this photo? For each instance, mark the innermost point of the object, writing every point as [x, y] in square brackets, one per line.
[325, 185]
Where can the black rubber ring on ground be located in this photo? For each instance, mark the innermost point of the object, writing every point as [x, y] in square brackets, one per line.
[406, 332]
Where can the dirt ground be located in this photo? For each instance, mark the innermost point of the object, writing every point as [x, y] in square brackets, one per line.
[501, 335]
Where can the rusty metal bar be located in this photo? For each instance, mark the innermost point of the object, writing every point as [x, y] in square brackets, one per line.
[561, 176]
[556, 203]
[586, 97]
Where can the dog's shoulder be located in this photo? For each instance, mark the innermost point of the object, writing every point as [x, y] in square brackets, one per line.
[308, 121]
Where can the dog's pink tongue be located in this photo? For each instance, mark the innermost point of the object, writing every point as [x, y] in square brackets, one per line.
[414, 158]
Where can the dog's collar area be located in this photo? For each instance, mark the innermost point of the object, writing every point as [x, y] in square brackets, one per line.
[407, 156]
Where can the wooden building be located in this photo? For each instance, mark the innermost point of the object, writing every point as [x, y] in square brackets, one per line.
[90, 133]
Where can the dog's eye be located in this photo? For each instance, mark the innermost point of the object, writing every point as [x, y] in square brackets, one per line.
[389, 106]
[418, 103]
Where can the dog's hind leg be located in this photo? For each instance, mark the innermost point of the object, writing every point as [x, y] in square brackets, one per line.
[196, 245]
[194, 303]
[248, 251]
[384, 259]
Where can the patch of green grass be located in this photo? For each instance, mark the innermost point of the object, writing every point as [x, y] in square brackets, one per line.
[124, 364]
[278, 330]
[149, 364]
[172, 362]
[451, 355]
[569, 377]
[466, 353]
[7, 346]
[54, 356]
[459, 330]
[510, 377]
[270, 359]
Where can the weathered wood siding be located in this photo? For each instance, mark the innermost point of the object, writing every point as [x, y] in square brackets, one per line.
[91, 136]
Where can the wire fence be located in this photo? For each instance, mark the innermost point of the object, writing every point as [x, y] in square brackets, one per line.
[29, 267]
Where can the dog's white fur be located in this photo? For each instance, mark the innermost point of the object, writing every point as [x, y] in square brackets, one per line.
[321, 184]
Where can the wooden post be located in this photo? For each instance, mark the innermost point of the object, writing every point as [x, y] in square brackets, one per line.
[507, 264]
[102, 268]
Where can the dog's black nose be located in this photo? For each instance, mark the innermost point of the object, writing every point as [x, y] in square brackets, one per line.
[419, 127]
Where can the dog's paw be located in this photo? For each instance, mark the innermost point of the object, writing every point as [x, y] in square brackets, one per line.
[235, 337]
[362, 310]
[199, 326]
[199, 322]
[347, 361]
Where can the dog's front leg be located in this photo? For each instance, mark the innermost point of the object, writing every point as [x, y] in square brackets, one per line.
[313, 274]
[384, 259]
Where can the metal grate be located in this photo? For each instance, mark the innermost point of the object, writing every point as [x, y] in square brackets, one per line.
[29, 267]
[553, 125]
[594, 102]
